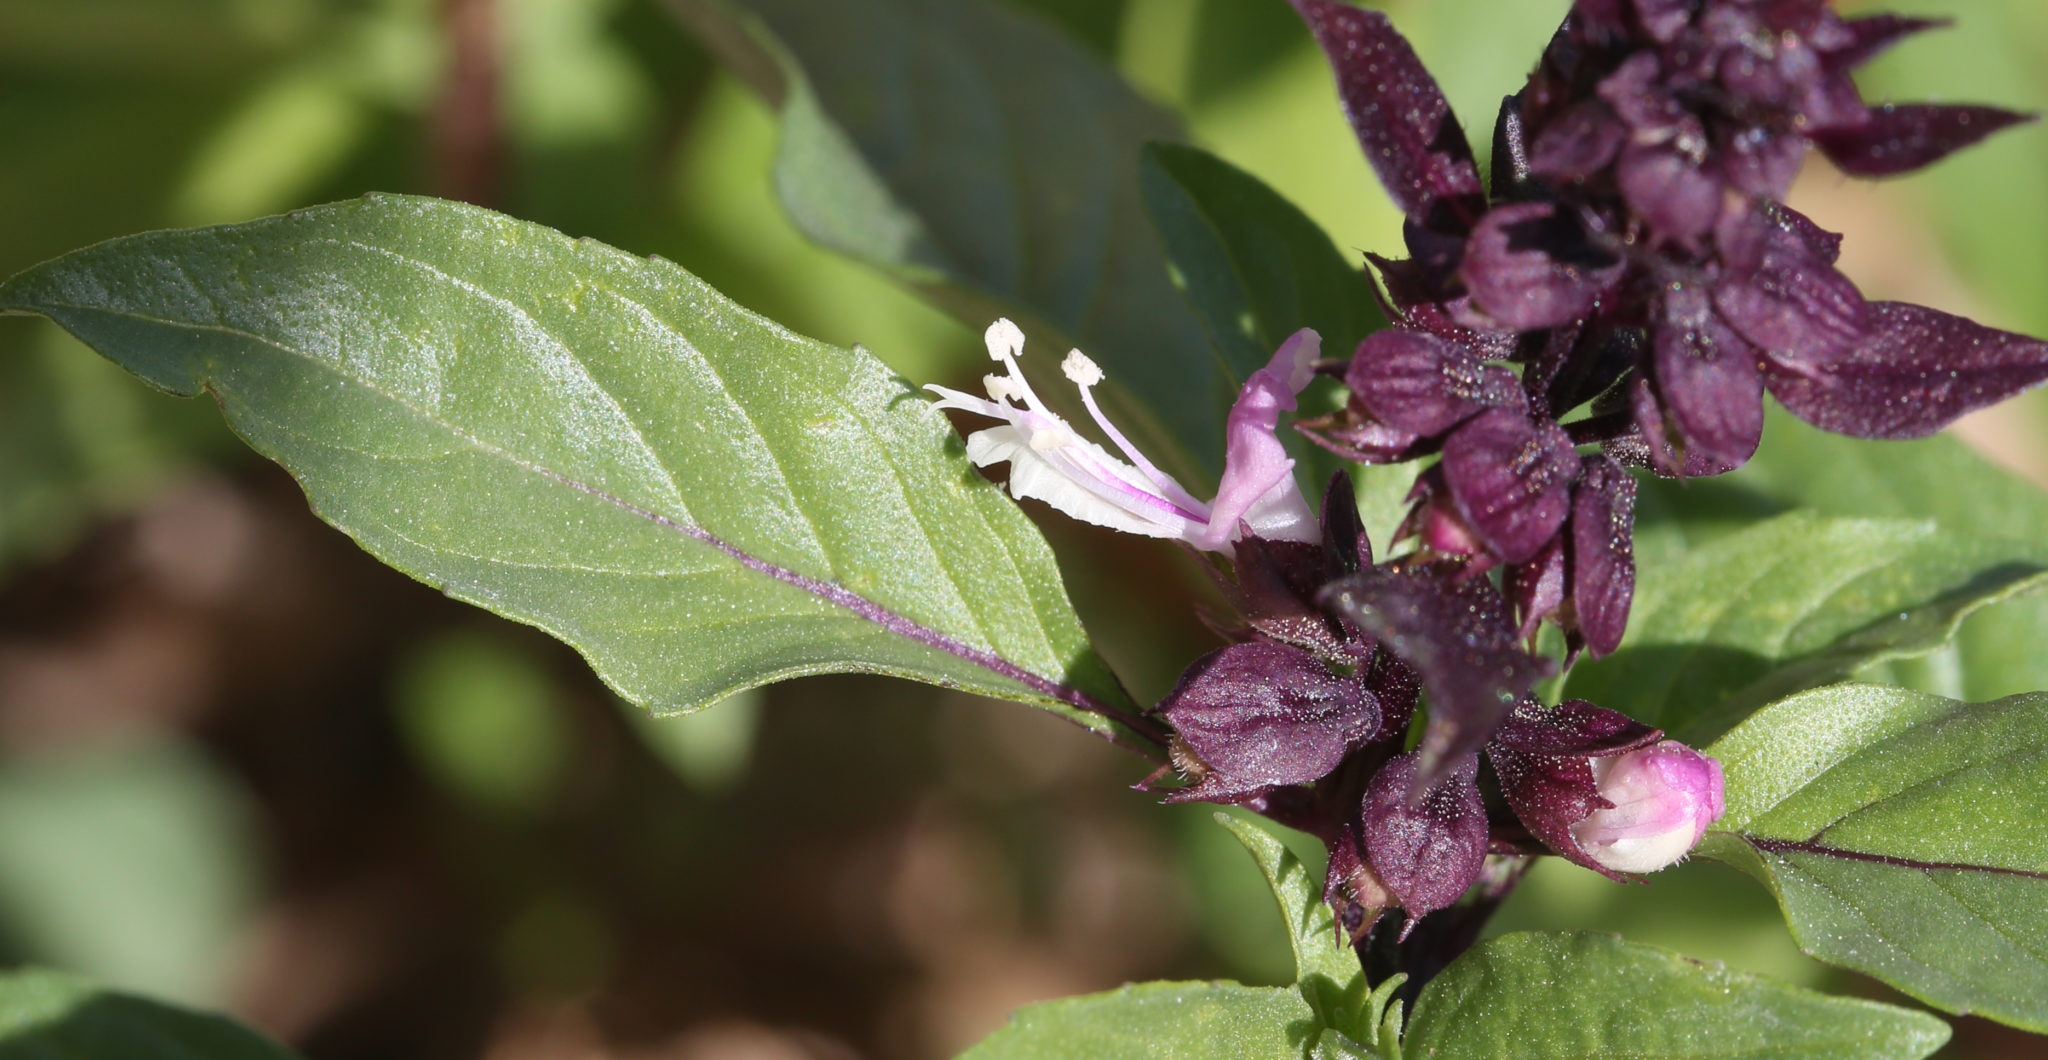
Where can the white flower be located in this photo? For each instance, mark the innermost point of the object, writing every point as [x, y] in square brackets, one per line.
[1049, 461]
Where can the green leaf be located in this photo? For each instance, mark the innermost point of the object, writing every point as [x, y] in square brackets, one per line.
[1905, 836]
[48, 1014]
[1995, 653]
[1545, 994]
[1253, 265]
[596, 444]
[1326, 971]
[993, 164]
[1166, 1021]
[1795, 602]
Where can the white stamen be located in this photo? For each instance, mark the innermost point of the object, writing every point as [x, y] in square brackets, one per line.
[1045, 439]
[1005, 340]
[1080, 369]
[1001, 387]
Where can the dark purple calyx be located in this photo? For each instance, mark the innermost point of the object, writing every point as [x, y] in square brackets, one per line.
[1425, 836]
[1261, 714]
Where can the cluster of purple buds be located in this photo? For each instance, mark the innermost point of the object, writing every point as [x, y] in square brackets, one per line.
[1635, 264]
[1305, 715]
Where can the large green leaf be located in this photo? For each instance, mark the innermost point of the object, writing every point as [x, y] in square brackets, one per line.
[1995, 653]
[596, 444]
[1905, 835]
[1791, 603]
[47, 1015]
[982, 157]
[1159, 1021]
[1544, 994]
[1254, 266]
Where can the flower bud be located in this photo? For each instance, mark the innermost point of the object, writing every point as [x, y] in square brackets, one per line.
[1664, 797]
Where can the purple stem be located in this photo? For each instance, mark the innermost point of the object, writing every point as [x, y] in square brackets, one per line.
[1791, 846]
[902, 626]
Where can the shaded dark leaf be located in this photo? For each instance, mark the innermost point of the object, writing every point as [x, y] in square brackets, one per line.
[1872, 35]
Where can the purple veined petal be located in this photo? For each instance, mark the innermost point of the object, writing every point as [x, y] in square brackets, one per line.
[1580, 143]
[1511, 478]
[1424, 385]
[1603, 561]
[1402, 119]
[1902, 137]
[1868, 37]
[1535, 590]
[1260, 714]
[1543, 756]
[1355, 895]
[1456, 638]
[1818, 241]
[1915, 371]
[1787, 300]
[1258, 487]
[1530, 267]
[1425, 850]
[1651, 445]
[1708, 378]
[1673, 194]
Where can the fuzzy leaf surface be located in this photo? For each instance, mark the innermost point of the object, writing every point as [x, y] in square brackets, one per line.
[1158, 1021]
[1905, 836]
[1555, 994]
[1326, 971]
[596, 444]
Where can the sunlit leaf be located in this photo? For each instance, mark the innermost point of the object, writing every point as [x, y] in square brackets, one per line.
[1791, 603]
[1542, 994]
[595, 444]
[1906, 837]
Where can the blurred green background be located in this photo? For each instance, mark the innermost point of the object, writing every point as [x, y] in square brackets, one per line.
[243, 765]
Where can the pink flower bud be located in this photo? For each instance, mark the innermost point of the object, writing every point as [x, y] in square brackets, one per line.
[1664, 797]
